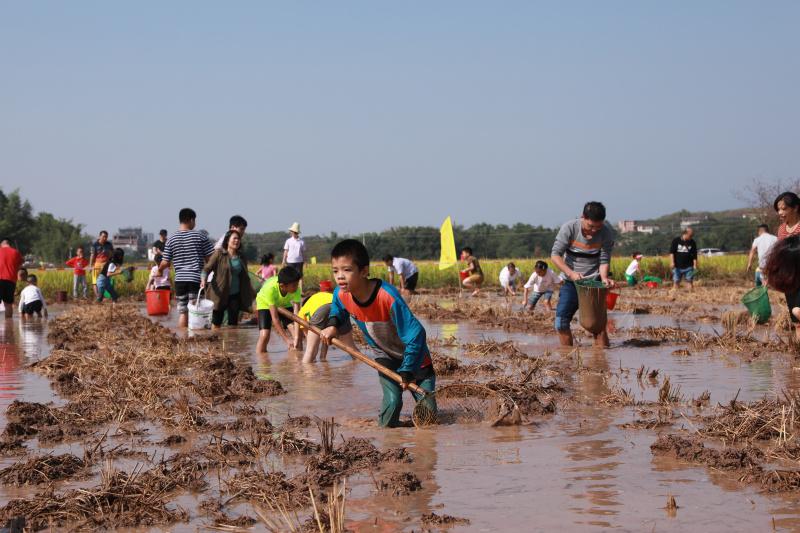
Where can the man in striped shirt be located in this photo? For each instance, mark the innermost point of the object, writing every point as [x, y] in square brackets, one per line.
[187, 249]
[582, 251]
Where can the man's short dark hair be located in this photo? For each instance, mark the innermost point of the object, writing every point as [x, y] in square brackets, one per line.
[289, 274]
[594, 211]
[764, 227]
[237, 221]
[388, 258]
[540, 265]
[32, 278]
[186, 215]
[163, 233]
[353, 249]
[467, 249]
[103, 232]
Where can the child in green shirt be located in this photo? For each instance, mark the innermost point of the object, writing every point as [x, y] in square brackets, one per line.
[283, 291]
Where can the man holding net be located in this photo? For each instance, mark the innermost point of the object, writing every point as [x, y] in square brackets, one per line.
[582, 251]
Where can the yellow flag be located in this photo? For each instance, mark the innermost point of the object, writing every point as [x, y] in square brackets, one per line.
[448, 256]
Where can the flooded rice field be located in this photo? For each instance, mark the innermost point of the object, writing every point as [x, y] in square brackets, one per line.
[688, 422]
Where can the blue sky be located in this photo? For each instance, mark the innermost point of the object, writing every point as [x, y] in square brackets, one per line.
[358, 116]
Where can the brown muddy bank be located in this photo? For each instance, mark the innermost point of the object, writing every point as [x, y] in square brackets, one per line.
[208, 448]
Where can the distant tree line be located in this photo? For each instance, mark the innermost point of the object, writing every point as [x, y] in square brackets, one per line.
[47, 237]
[420, 242]
[502, 241]
[52, 239]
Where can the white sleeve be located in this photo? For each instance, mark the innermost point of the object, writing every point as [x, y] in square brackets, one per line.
[286, 245]
[530, 282]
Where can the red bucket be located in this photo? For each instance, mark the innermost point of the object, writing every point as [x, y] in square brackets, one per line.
[651, 285]
[611, 300]
[463, 275]
[326, 285]
[157, 302]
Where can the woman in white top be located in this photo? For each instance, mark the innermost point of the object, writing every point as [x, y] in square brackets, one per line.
[294, 250]
[508, 279]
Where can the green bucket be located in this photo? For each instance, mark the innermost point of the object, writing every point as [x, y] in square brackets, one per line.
[654, 279]
[757, 303]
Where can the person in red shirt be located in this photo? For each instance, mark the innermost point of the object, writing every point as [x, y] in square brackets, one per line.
[78, 264]
[10, 263]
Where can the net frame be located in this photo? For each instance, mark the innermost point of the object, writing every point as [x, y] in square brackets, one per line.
[465, 403]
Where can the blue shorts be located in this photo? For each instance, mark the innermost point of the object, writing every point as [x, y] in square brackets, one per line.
[534, 298]
[567, 305]
[685, 273]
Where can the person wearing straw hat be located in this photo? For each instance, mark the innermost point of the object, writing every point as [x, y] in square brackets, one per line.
[294, 250]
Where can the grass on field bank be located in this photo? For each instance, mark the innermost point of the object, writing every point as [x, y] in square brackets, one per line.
[720, 268]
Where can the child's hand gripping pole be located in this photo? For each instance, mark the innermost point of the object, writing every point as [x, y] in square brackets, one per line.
[355, 353]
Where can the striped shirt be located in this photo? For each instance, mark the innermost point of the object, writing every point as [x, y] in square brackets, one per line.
[583, 255]
[187, 250]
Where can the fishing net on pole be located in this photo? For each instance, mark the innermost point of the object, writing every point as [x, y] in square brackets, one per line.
[466, 403]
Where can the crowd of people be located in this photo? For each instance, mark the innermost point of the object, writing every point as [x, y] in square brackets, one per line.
[189, 264]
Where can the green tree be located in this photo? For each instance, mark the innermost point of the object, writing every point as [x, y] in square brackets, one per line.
[55, 238]
[16, 221]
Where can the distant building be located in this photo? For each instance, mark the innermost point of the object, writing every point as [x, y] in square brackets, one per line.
[644, 228]
[632, 226]
[132, 239]
[688, 222]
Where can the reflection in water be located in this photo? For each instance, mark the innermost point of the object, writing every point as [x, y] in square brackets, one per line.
[33, 338]
[9, 363]
[448, 330]
[594, 478]
[22, 342]
[576, 467]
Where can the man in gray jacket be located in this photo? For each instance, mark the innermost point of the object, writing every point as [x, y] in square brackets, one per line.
[582, 251]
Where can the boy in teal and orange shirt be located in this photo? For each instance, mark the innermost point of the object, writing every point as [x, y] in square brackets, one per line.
[389, 326]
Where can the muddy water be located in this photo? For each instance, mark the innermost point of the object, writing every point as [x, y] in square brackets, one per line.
[576, 470]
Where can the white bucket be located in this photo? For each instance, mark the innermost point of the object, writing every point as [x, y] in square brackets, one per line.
[200, 313]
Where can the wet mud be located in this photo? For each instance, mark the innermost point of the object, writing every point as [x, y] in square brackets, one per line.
[117, 422]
